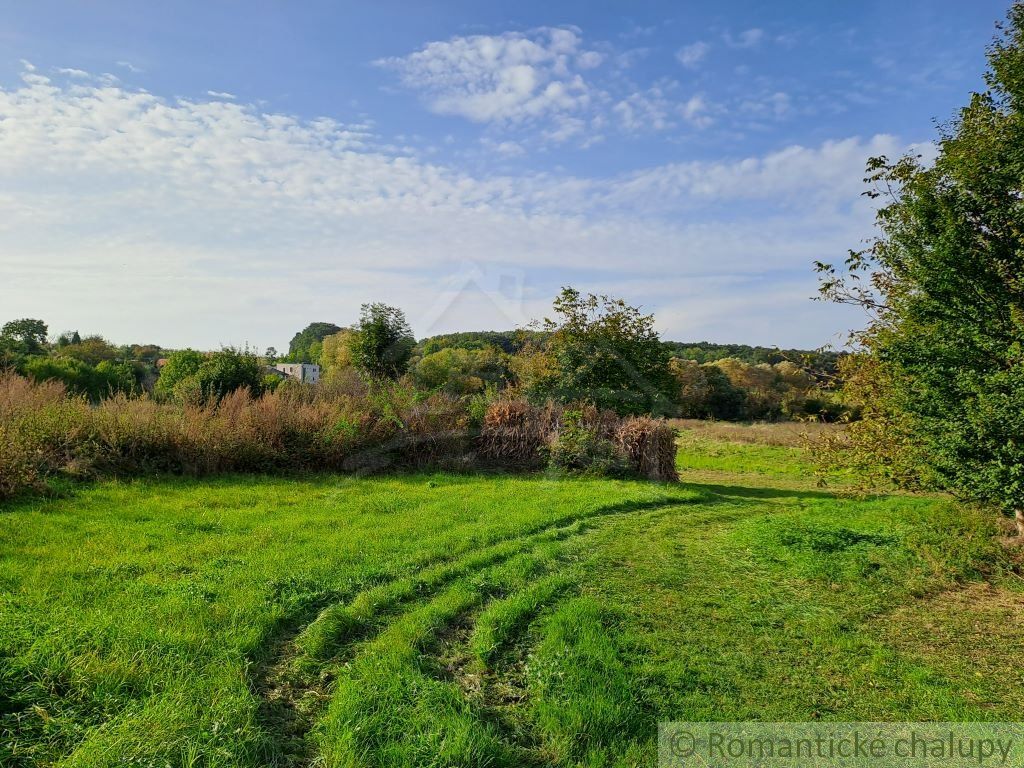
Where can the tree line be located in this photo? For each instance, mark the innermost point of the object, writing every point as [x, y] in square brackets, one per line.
[592, 349]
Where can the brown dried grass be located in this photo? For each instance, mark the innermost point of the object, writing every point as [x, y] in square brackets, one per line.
[346, 427]
[650, 445]
[788, 434]
[514, 433]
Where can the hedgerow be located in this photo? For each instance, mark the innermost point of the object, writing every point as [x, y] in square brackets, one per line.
[47, 432]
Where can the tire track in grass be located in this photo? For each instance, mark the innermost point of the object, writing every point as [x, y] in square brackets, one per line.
[392, 706]
[468, 654]
[339, 624]
[292, 685]
[286, 706]
[397, 700]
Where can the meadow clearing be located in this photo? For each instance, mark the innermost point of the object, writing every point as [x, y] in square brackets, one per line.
[489, 619]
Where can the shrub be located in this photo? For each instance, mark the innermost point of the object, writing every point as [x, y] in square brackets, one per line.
[579, 448]
[461, 371]
[47, 431]
[191, 376]
[40, 429]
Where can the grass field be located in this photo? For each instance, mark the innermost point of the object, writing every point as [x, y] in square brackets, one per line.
[445, 620]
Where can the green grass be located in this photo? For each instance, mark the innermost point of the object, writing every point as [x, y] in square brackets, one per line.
[458, 620]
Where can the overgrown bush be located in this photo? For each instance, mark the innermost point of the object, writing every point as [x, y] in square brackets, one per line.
[345, 426]
[579, 448]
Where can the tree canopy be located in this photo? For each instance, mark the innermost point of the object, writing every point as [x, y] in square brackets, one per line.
[191, 375]
[383, 342]
[306, 344]
[942, 374]
[606, 352]
[27, 333]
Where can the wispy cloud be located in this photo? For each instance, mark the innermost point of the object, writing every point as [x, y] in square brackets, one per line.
[691, 55]
[549, 83]
[659, 108]
[748, 38]
[221, 95]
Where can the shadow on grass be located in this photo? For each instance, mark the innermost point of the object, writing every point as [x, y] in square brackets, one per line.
[717, 492]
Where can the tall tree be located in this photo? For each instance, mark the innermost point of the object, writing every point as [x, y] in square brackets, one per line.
[607, 352]
[383, 342]
[30, 334]
[942, 369]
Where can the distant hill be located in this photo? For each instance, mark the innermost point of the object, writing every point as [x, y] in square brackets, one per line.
[708, 352]
[701, 351]
[507, 341]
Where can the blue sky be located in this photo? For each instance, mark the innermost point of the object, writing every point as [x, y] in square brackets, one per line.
[213, 173]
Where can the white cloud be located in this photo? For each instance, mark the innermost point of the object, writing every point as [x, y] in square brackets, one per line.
[503, 148]
[645, 111]
[691, 55]
[748, 38]
[547, 87]
[695, 111]
[777, 104]
[657, 110]
[565, 127]
[221, 95]
[72, 72]
[130, 67]
[512, 77]
[207, 222]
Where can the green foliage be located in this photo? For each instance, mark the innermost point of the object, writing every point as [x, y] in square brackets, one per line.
[146, 353]
[705, 392]
[92, 350]
[462, 371]
[70, 337]
[192, 376]
[509, 342]
[27, 334]
[180, 365]
[578, 449]
[820, 361]
[606, 352]
[336, 350]
[305, 345]
[732, 390]
[230, 369]
[946, 287]
[702, 388]
[383, 342]
[95, 382]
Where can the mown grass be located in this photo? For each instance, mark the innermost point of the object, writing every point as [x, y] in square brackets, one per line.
[443, 620]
